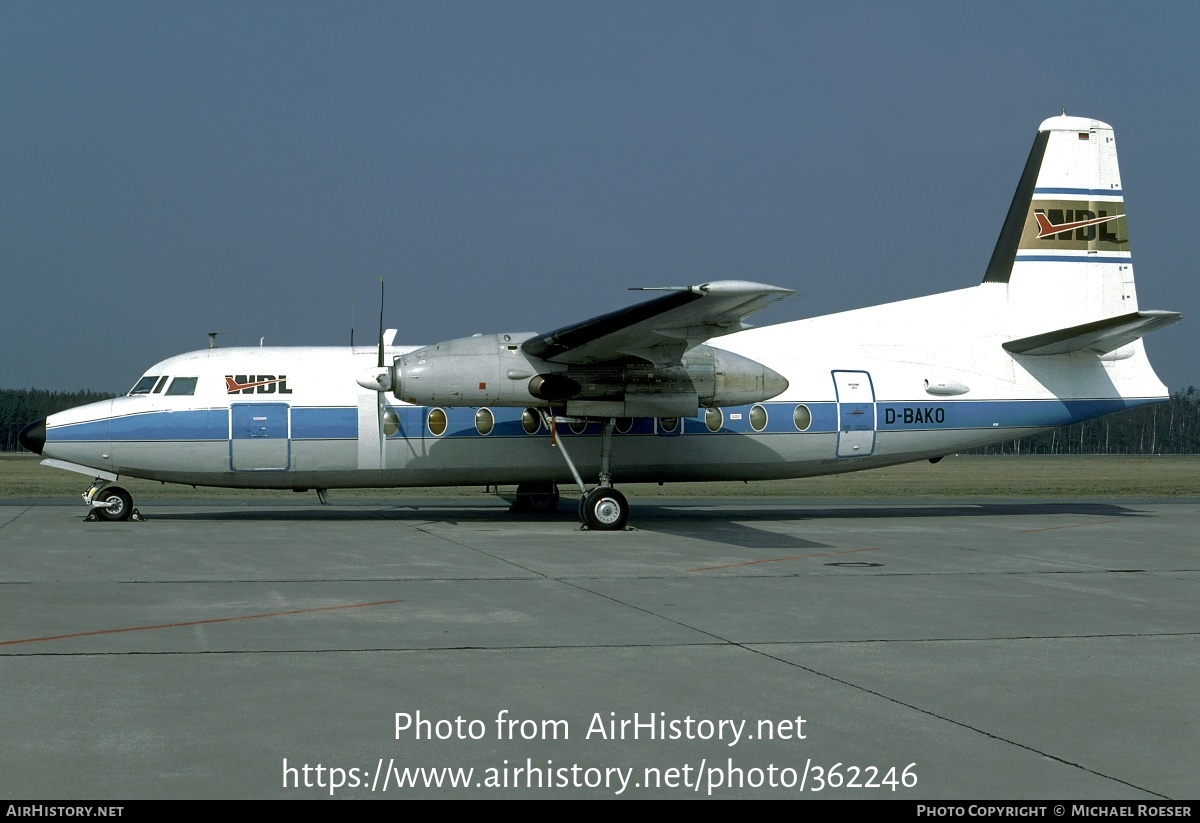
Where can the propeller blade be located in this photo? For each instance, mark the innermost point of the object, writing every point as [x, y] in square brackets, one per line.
[380, 363]
[378, 380]
[382, 403]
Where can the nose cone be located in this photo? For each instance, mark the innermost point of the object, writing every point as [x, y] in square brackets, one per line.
[33, 436]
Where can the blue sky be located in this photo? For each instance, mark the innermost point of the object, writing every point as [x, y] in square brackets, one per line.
[170, 169]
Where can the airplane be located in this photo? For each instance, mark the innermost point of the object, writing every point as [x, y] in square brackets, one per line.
[675, 388]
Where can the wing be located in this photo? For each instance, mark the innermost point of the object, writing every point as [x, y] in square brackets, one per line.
[658, 331]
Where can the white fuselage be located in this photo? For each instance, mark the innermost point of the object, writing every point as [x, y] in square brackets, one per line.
[872, 387]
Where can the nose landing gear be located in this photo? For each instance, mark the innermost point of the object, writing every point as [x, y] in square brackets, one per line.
[109, 503]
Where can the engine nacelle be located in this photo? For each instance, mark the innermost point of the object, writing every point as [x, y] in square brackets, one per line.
[484, 370]
[493, 370]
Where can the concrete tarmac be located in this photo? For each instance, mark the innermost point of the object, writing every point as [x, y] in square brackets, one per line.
[732, 648]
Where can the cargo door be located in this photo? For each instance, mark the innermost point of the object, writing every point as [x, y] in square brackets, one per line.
[259, 436]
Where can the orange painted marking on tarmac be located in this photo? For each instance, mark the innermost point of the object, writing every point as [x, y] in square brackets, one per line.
[1072, 526]
[198, 622]
[778, 560]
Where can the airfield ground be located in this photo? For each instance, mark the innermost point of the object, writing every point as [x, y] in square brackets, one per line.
[981, 629]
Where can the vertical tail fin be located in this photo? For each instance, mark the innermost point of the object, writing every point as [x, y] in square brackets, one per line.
[1064, 249]
[1063, 252]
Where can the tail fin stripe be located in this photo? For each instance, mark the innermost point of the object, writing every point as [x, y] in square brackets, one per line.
[1089, 192]
[1068, 257]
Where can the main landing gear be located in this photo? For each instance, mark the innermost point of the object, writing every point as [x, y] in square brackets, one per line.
[110, 503]
[536, 498]
[603, 508]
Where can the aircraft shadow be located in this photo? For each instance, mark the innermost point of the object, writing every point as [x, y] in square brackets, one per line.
[733, 526]
[734, 523]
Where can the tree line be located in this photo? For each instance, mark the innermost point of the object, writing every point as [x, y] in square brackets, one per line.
[1162, 428]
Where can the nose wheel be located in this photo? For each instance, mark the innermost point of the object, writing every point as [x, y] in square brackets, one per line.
[113, 504]
[109, 503]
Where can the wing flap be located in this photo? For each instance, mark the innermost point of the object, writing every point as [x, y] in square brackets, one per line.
[658, 331]
[1099, 337]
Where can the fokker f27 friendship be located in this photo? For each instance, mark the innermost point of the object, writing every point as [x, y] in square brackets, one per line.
[676, 388]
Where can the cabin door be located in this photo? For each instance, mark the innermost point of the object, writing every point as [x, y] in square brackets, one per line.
[856, 413]
[259, 437]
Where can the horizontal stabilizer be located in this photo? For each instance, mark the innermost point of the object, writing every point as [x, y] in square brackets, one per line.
[1099, 337]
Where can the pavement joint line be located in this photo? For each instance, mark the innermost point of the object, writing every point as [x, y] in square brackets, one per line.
[1069, 526]
[962, 725]
[750, 648]
[186, 623]
[779, 559]
[478, 550]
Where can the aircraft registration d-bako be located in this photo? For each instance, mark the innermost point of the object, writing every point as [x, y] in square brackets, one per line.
[676, 388]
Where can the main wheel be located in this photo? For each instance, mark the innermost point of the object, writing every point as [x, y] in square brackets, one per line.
[536, 498]
[604, 509]
[117, 504]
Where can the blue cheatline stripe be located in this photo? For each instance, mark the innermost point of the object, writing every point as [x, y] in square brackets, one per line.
[1090, 192]
[328, 423]
[984, 414]
[197, 424]
[341, 423]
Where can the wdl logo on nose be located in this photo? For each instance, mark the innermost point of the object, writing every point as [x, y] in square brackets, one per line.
[256, 384]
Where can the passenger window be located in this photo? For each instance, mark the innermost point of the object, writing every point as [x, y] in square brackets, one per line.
[391, 422]
[484, 421]
[182, 386]
[758, 418]
[437, 422]
[802, 417]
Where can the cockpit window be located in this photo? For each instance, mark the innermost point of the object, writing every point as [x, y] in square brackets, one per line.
[145, 385]
[162, 381]
[182, 386]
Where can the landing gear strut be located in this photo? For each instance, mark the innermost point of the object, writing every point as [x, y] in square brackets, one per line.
[603, 508]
